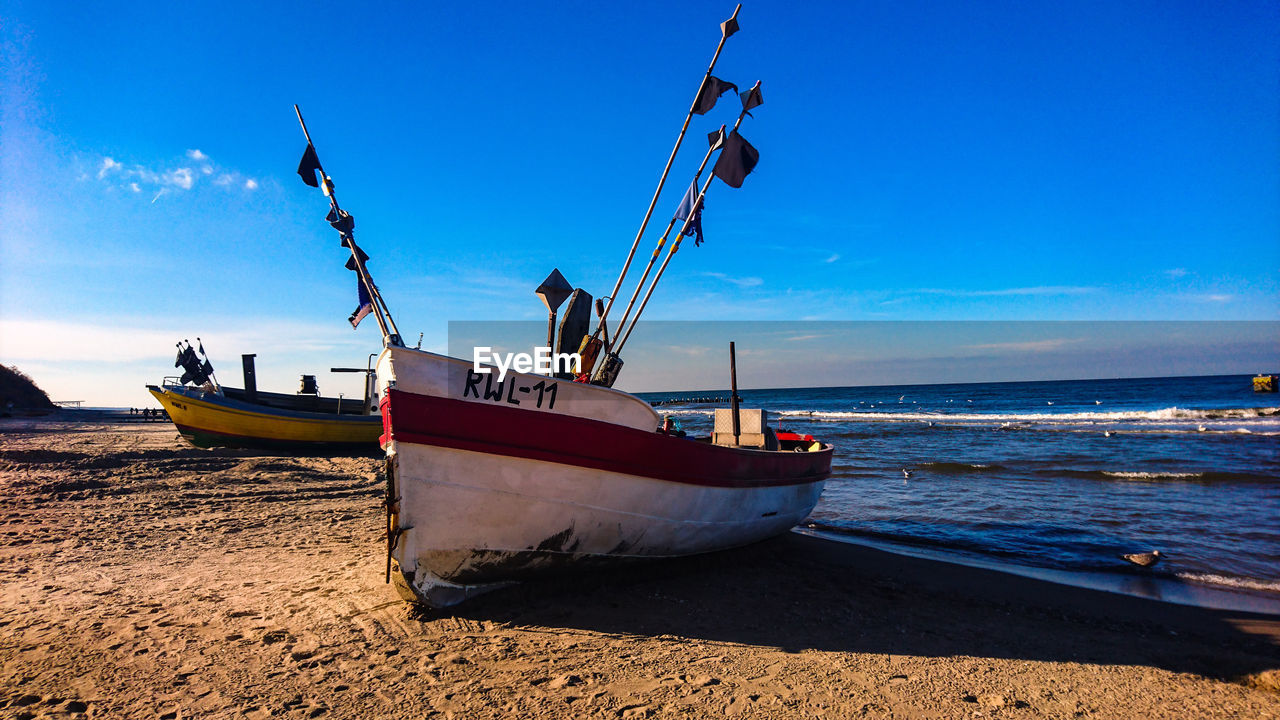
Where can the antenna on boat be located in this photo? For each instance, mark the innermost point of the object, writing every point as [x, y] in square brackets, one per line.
[727, 28]
[212, 375]
[733, 390]
[621, 336]
[345, 225]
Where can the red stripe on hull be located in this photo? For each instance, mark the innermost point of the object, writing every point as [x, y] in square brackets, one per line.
[569, 440]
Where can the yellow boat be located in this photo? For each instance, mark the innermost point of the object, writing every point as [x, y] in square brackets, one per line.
[211, 420]
[211, 415]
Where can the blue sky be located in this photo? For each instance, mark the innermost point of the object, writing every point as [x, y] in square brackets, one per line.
[919, 161]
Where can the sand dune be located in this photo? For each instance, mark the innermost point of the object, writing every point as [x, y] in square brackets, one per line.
[144, 578]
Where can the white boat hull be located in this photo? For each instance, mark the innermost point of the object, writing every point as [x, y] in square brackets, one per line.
[486, 493]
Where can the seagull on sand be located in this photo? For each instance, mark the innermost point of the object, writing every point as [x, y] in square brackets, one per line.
[1145, 560]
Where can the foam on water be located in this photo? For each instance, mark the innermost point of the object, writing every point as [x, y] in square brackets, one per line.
[1061, 476]
[1165, 414]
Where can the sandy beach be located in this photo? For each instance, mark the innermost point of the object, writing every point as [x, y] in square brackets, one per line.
[145, 578]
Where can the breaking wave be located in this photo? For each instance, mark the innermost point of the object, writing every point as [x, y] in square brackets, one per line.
[957, 467]
[1165, 414]
[1208, 476]
[1232, 582]
[1154, 475]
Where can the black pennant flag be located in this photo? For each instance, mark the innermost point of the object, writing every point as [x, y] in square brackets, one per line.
[736, 161]
[716, 139]
[729, 27]
[751, 98]
[342, 221]
[686, 207]
[193, 370]
[309, 165]
[347, 242]
[366, 304]
[711, 91]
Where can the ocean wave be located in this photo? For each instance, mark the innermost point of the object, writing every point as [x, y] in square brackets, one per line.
[1164, 414]
[1232, 582]
[957, 467]
[1207, 476]
[1154, 475]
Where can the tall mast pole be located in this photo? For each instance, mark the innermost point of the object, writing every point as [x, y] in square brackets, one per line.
[727, 28]
[663, 240]
[620, 338]
[381, 313]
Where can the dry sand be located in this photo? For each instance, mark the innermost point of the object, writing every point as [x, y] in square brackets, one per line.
[144, 578]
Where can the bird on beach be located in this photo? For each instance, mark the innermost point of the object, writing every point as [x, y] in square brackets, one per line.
[1145, 560]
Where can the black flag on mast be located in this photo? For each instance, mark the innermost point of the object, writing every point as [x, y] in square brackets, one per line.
[716, 139]
[351, 261]
[736, 161]
[686, 207]
[194, 371]
[711, 91]
[366, 304]
[751, 98]
[309, 165]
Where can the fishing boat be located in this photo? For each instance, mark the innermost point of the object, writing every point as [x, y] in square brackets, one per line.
[208, 414]
[493, 481]
[493, 475]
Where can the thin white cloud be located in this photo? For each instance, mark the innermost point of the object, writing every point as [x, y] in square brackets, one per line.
[1027, 346]
[1176, 273]
[108, 165]
[177, 176]
[742, 282]
[181, 177]
[1005, 292]
[801, 338]
[834, 257]
[1217, 298]
[691, 350]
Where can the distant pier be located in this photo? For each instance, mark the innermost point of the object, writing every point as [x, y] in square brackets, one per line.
[688, 400]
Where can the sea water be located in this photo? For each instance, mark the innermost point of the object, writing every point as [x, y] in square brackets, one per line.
[1061, 477]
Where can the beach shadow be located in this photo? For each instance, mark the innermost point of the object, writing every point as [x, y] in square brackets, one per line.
[800, 593]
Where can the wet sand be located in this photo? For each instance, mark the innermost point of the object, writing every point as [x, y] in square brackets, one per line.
[145, 578]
